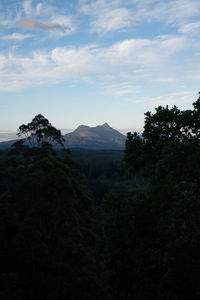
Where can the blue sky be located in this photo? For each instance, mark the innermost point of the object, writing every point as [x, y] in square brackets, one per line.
[95, 61]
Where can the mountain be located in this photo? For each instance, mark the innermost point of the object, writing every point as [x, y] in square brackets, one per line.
[99, 137]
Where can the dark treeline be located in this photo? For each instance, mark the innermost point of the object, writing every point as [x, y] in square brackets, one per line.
[103, 224]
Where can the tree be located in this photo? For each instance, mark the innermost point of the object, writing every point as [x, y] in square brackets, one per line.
[151, 240]
[46, 233]
[46, 236]
[166, 226]
[39, 132]
[161, 128]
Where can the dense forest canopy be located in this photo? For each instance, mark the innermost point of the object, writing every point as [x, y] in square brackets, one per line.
[81, 226]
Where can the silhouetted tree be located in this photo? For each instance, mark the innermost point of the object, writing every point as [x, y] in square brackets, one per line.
[40, 132]
[47, 239]
[152, 240]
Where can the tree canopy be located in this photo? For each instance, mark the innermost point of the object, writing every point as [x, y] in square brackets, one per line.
[160, 224]
[39, 132]
[160, 129]
[137, 242]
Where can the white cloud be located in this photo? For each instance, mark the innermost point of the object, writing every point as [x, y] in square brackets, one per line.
[27, 5]
[64, 22]
[115, 19]
[39, 8]
[191, 27]
[3, 61]
[34, 15]
[180, 98]
[16, 36]
[124, 88]
[108, 15]
[114, 15]
[172, 11]
[135, 59]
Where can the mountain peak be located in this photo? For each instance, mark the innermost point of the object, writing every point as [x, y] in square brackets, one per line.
[99, 137]
[106, 125]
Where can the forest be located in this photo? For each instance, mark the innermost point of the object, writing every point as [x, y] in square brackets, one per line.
[86, 224]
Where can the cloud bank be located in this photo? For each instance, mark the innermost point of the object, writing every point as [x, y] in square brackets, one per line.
[137, 60]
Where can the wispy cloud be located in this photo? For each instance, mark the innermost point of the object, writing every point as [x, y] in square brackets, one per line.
[191, 27]
[33, 15]
[39, 8]
[27, 6]
[16, 36]
[114, 15]
[171, 11]
[153, 59]
[3, 61]
[115, 19]
[180, 98]
[122, 88]
[108, 15]
[33, 24]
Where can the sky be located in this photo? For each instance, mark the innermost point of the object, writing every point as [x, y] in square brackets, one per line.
[95, 61]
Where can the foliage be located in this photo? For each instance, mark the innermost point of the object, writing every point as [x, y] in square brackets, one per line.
[46, 233]
[140, 242]
[40, 132]
[152, 240]
[165, 126]
[46, 237]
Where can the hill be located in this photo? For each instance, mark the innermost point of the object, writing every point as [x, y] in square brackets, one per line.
[99, 137]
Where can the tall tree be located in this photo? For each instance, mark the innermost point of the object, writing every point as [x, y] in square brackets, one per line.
[152, 240]
[39, 132]
[46, 237]
[161, 128]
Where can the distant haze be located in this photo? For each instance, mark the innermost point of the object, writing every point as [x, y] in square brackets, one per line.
[9, 135]
[125, 130]
[6, 136]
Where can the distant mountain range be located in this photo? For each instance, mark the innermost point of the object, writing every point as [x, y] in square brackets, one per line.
[99, 137]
